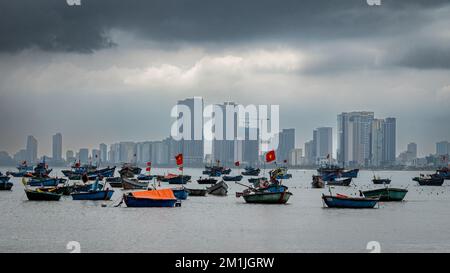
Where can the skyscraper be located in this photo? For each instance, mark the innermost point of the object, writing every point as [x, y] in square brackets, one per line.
[378, 134]
[323, 142]
[390, 141]
[442, 148]
[83, 155]
[57, 147]
[354, 137]
[224, 146]
[286, 143]
[192, 148]
[32, 150]
[103, 152]
[310, 155]
[412, 150]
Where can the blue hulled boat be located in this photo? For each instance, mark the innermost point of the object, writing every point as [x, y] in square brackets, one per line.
[45, 182]
[342, 201]
[18, 174]
[93, 195]
[151, 198]
[145, 177]
[181, 193]
[4, 184]
[232, 178]
[179, 179]
[331, 172]
[443, 173]
[250, 171]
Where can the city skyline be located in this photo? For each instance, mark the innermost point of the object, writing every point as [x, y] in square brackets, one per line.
[119, 80]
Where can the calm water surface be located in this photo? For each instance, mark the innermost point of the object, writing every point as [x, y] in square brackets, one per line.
[227, 224]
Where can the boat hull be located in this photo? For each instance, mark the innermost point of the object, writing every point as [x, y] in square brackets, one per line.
[207, 181]
[232, 178]
[129, 184]
[5, 186]
[219, 189]
[180, 194]
[434, 181]
[46, 182]
[182, 179]
[387, 194]
[42, 196]
[93, 195]
[381, 181]
[197, 192]
[4, 179]
[267, 197]
[351, 203]
[133, 202]
[344, 182]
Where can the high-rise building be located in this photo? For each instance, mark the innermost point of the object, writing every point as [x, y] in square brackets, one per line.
[296, 157]
[57, 147]
[95, 156]
[412, 150]
[32, 150]
[286, 143]
[390, 141]
[192, 148]
[70, 156]
[377, 155]
[225, 148]
[114, 153]
[323, 138]
[310, 155]
[83, 155]
[442, 148]
[160, 153]
[354, 138]
[103, 152]
[127, 152]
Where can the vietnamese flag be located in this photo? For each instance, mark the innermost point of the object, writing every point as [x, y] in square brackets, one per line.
[179, 159]
[270, 156]
[149, 164]
[237, 163]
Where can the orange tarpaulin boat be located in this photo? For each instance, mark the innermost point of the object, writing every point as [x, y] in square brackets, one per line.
[162, 194]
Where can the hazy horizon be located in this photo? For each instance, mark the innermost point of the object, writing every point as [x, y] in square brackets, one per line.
[110, 71]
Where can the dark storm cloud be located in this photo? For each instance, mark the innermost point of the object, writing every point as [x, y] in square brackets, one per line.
[54, 26]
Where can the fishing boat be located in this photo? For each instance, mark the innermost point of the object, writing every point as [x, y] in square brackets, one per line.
[197, 192]
[79, 169]
[378, 180]
[92, 174]
[93, 195]
[340, 182]
[232, 178]
[180, 193]
[129, 170]
[386, 194]
[280, 173]
[64, 190]
[46, 182]
[24, 167]
[250, 171]
[330, 172]
[4, 184]
[208, 180]
[151, 198]
[145, 177]
[18, 174]
[41, 170]
[317, 182]
[88, 187]
[179, 179]
[4, 178]
[429, 180]
[443, 173]
[220, 189]
[132, 184]
[216, 171]
[38, 195]
[273, 194]
[258, 181]
[115, 182]
[343, 201]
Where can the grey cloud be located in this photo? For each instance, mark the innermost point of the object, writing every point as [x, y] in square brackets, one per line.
[53, 25]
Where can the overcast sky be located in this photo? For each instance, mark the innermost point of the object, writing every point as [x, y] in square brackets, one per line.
[111, 70]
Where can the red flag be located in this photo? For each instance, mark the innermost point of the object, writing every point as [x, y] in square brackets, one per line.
[148, 169]
[270, 156]
[237, 163]
[149, 163]
[179, 159]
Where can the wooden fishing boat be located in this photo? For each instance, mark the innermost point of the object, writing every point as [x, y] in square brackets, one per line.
[133, 184]
[88, 187]
[64, 190]
[197, 192]
[429, 180]
[151, 198]
[179, 179]
[145, 177]
[273, 194]
[342, 201]
[207, 181]
[386, 194]
[378, 180]
[38, 195]
[180, 193]
[5, 185]
[129, 170]
[220, 189]
[232, 178]
[331, 172]
[317, 182]
[4, 178]
[46, 182]
[257, 182]
[93, 195]
[18, 174]
[340, 182]
[115, 182]
[114, 179]
[443, 173]
[250, 171]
